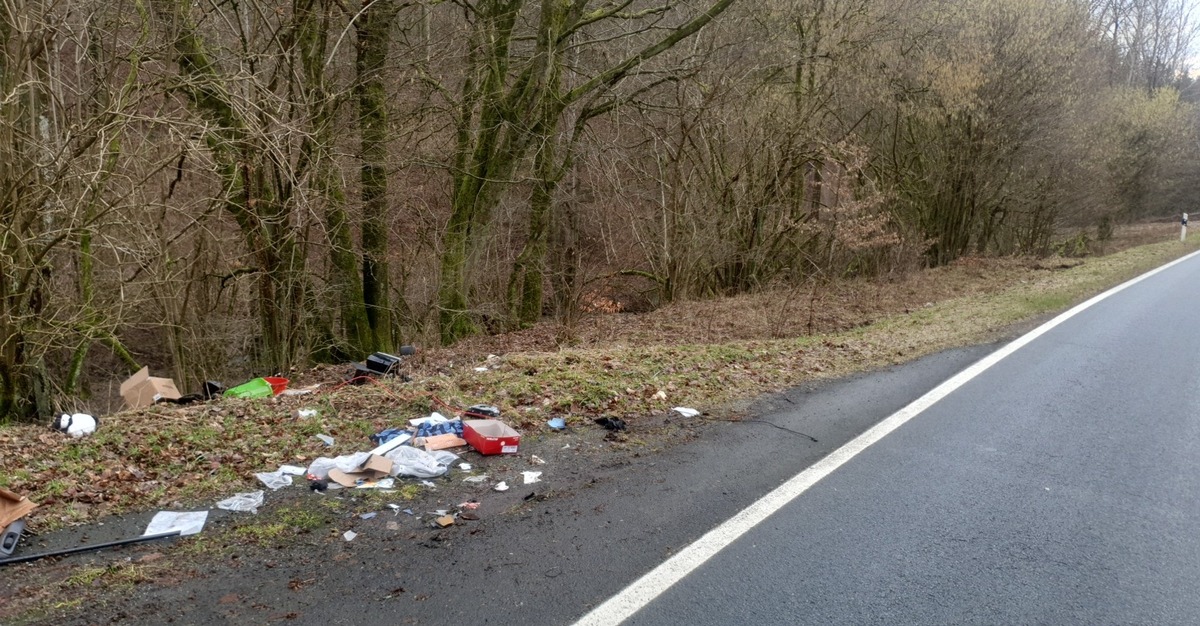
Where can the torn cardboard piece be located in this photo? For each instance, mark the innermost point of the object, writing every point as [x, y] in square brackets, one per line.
[441, 442]
[142, 389]
[374, 468]
[13, 507]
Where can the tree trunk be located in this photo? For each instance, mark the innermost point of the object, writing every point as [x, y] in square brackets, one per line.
[374, 30]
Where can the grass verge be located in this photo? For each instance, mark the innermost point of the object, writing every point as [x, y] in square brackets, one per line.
[177, 457]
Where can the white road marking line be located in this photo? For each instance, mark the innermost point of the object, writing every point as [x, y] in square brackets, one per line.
[642, 591]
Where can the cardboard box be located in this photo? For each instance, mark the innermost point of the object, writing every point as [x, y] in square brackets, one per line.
[142, 389]
[491, 436]
[13, 507]
[374, 468]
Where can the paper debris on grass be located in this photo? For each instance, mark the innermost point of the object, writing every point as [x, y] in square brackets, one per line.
[186, 522]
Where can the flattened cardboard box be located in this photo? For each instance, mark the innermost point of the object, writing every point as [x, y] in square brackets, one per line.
[13, 507]
[142, 389]
[374, 468]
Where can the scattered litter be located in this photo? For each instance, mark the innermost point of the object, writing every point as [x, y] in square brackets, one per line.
[444, 521]
[259, 388]
[483, 411]
[441, 442]
[468, 515]
[566, 447]
[387, 435]
[318, 484]
[434, 418]
[368, 474]
[418, 463]
[532, 477]
[304, 413]
[395, 508]
[429, 484]
[384, 483]
[382, 363]
[661, 395]
[368, 515]
[557, 423]
[294, 470]
[491, 436]
[326, 439]
[501, 486]
[77, 425]
[475, 479]
[481, 369]
[470, 506]
[466, 467]
[247, 501]
[409, 511]
[12, 509]
[394, 443]
[274, 480]
[187, 523]
[142, 389]
[537, 460]
[303, 391]
[449, 427]
[611, 423]
[349, 535]
[348, 463]
[686, 412]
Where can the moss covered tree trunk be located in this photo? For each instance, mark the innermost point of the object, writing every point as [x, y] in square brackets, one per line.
[346, 293]
[249, 197]
[374, 32]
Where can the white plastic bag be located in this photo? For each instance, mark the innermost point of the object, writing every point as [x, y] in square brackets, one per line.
[348, 463]
[409, 461]
[249, 501]
[274, 480]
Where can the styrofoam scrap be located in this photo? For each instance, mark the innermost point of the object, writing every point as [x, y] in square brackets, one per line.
[481, 369]
[466, 467]
[429, 484]
[686, 412]
[392, 444]
[532, 477]
[349, 535]
[537, 460]
[501, 486]
[433, 418]
[475, 479]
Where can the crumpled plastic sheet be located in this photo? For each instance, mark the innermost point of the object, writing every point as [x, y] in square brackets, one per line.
[248, 501]
[348, 463]
[409, 461]
[274, 480]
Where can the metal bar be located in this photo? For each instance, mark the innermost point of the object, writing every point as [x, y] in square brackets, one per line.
[97, 546]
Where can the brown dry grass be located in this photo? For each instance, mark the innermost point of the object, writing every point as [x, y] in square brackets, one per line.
[700, 354]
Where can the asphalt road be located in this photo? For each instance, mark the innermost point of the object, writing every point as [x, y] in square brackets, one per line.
[1061, 486]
